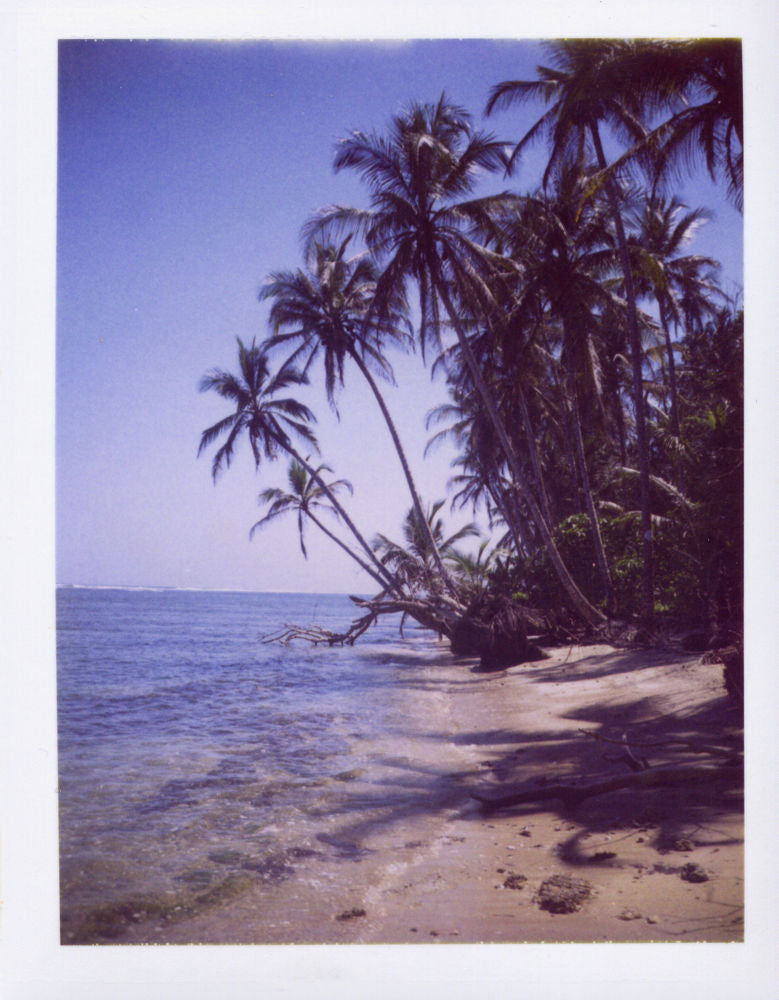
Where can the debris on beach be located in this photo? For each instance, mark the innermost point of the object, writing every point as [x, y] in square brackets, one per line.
[352, 775]
[563, 894]
[514, 881]
[355, 911]
[601, 856]
[694, 873]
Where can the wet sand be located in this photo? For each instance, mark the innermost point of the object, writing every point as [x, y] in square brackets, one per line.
[403, 853]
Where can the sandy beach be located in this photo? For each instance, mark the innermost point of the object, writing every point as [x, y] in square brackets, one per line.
[404, 853]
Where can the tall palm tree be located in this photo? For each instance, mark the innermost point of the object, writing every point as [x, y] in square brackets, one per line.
[583, 90]
[268, 421]
[420, 229]
[563, 247]
[305, 498]
[482, 464]
[325, 310]
[680, 283]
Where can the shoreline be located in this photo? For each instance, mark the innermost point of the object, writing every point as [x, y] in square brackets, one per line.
[409, 856]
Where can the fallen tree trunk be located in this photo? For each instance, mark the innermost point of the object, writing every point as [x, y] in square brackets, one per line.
[495, 630]
[572, 795]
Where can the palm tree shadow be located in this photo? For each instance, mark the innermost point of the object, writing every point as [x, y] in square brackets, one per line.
[667, 819]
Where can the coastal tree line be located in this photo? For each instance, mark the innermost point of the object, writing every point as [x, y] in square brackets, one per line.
[592, 361]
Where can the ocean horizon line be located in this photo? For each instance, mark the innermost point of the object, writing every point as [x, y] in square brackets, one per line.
[158, 588]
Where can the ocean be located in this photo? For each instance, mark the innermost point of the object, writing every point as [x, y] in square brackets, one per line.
[189, 748]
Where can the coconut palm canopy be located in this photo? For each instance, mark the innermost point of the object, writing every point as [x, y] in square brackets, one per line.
[521, 293]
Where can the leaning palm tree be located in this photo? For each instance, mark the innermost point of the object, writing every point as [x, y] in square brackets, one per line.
[325, 310]
[583, 89]
[305, 498]
[268, 422]
[563, 247]
[481, 480]
[420, 228]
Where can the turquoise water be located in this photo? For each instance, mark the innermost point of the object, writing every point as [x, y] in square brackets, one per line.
[185, 741]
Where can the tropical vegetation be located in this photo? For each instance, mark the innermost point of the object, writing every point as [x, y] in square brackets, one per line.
[593, 364]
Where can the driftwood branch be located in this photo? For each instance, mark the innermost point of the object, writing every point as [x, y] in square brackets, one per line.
[317, 635]
[439, 618]
[572, 795]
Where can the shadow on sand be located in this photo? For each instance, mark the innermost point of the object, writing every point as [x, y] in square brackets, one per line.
[513, 759]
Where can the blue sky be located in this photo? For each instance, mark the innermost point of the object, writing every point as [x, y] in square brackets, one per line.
[185, 172]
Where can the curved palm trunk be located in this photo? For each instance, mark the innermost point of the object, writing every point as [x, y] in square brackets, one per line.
[347, 550]
[671, 369]
[600, 555]
[647, 577]
[570, 449]
[504, 506]
[579, 602]
[619, 415]
[423, 521]
[533, 453]
[382, 573]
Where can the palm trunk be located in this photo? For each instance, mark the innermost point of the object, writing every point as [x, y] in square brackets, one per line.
[617, 411]
[423, 521]
[671, 369]
[579, 602]
[600, 555]
[347, 550]
[382, 572]
[647, 577]
[508, 515]
[533, 452]
[566, 421]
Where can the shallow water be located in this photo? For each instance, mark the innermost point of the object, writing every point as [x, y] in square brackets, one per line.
[189, 750]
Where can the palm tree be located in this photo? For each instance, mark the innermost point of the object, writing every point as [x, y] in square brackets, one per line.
[711, 119]
[326, 310]
[480, 460]
[267, 421]
[420, 229]
[562, 245]
[304, 498]
[475, 570]
[680, 284]
[583, 90]
[698, 84]
[413, 561]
